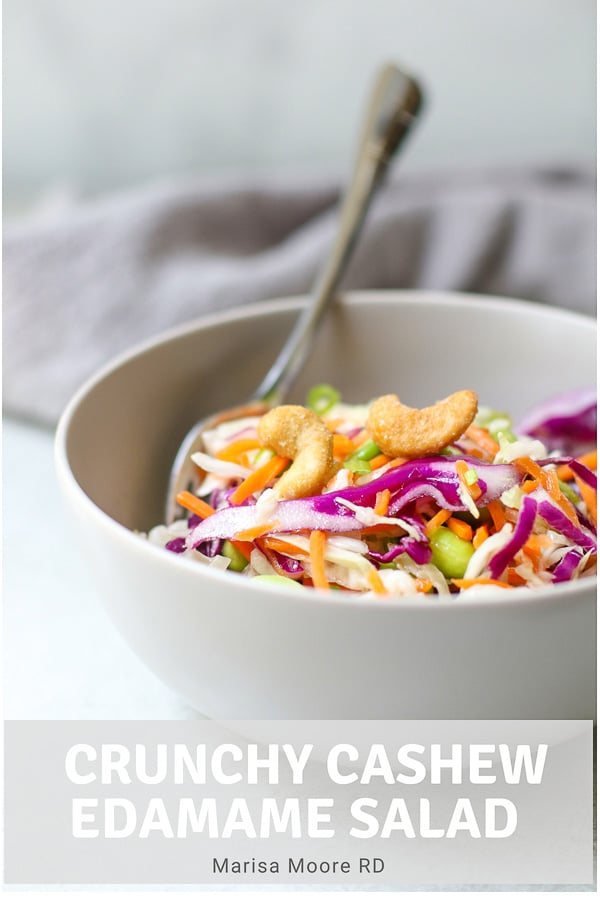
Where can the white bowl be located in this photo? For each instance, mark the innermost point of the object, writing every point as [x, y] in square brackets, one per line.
[239, 649]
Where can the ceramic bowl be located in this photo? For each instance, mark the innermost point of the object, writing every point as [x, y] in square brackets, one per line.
[238, 649]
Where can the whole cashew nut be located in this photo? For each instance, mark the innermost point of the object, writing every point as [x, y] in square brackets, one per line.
[298, 434]
[399, 430]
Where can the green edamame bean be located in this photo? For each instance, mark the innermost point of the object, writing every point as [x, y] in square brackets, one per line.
[238, 561]
[450, 553]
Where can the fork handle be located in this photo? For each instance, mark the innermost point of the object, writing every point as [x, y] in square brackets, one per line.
[393, 107]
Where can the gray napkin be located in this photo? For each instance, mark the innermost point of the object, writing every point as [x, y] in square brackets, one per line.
[85, 284]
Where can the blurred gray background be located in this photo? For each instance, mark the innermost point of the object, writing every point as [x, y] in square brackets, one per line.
[100, 94]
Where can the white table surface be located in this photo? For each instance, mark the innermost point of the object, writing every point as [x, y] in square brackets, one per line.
[63, 658]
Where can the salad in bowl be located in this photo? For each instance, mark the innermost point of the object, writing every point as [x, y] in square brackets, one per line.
[384, 500]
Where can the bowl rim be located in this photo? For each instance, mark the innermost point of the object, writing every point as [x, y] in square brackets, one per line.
[523, 596]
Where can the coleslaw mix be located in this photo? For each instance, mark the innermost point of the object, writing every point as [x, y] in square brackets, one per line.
[502, 507]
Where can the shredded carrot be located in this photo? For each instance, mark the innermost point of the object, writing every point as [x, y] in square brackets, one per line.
[565, 473]
[534, 546]
[259, 479]
[588, 459]
[474, 490]
[397, 461]
[342, 446]
[317, 559]
[378, 461]
[589, 497]
[281, 546]
[514, 578]
[375, 581]
[194, 504]
[482, 438]
[529, 466]
[533, 553]
[497, 514]
[333, 424]
[528, 487]
[553, 487]
[234, 451]
[461, 529]
[549, 480]
[423, 585]
[382, 502]
[249, 534]
[469, 582]
[383, 528]
[540, 541]
[440, 517]
[481, 535]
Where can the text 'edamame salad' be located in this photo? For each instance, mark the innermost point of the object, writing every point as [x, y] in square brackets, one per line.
[384, 500]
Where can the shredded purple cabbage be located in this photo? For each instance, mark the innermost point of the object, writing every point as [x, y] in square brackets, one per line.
[558, 521]
[523, 528]
[211, 548]
[567, 423]
[289, 565]
[435, 477]
[417, 550]
[177, 545]
[566, 567]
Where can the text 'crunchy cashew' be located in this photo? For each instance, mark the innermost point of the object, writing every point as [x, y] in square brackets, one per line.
[298, 434]
[399, 430]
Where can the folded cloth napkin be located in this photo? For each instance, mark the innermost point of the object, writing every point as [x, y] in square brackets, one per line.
[84, 285]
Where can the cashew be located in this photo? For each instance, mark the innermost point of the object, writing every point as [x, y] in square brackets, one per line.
[399, 430]
[298, 434]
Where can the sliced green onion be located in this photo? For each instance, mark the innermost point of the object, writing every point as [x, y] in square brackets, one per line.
[450, 451]
[321, 398]
[486, 417]
[471, 476]
[498, 424]
[262, 456]
[360, 466]
[368, 450]
[359, 461]
[504, 436]
[569, 492]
